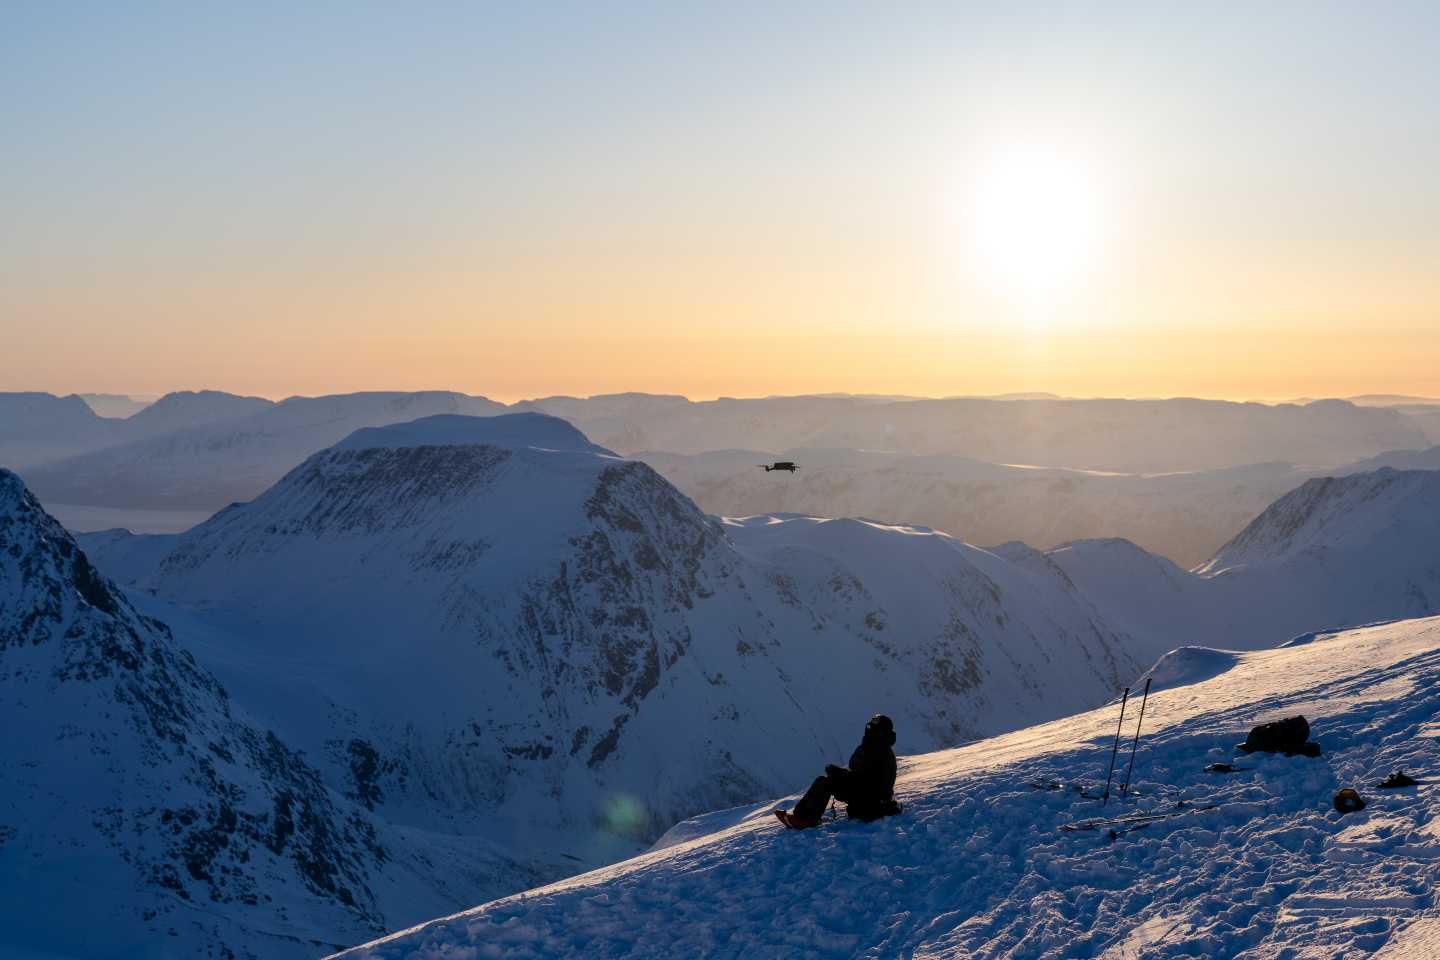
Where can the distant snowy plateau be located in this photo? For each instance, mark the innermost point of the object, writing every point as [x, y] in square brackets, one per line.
[444, 660]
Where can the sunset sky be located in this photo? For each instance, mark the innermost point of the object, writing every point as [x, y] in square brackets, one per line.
[721, 199]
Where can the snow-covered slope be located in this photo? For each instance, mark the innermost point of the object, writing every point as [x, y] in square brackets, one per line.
[1334, 552]
[491, 626]
[1184, 516]
[1254, 865]
[1381, 512]
[1158, 603]
[999, 637]
[133, 791]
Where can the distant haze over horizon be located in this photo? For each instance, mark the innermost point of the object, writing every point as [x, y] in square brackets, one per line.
[1377, 398]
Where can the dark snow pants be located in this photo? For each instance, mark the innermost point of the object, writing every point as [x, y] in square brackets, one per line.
[836, 784]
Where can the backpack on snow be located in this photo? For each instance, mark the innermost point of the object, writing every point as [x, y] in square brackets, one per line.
[1289, 736]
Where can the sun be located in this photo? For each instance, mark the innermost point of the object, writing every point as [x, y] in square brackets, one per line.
[1036, 221]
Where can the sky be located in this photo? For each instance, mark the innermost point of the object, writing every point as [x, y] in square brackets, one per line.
[520, 200]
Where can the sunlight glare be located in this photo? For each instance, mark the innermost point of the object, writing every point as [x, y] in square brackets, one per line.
[1036, 222]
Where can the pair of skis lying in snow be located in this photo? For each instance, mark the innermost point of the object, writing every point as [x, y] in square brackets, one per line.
[1124, 823]
[1135, 821]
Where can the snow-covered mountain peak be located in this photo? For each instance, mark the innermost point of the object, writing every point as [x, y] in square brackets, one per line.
[1113, 557]
[44, 577]
[447, 499]
[509, 431]
[491, 622]
[1338, 512]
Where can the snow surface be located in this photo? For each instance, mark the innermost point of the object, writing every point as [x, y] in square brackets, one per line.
[977, 866]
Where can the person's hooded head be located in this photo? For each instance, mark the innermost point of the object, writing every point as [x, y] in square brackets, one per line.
[880, 731]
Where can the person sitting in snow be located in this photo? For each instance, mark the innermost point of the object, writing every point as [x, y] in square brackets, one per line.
[866, 787]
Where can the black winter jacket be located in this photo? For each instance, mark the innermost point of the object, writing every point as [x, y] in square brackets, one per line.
[870, 786]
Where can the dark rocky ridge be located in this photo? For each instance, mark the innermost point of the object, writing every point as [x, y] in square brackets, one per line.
[189, 805]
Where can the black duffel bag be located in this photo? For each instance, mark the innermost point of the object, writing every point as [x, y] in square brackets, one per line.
[1289, 736]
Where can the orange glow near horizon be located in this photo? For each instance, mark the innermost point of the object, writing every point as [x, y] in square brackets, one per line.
[897, 330]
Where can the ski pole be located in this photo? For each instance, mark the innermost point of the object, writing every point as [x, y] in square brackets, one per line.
[1105, 797]
[1136, 742]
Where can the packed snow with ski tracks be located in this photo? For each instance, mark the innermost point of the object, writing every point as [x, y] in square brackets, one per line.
[978, 865]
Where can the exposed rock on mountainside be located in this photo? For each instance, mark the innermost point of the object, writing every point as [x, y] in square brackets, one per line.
[129, 783]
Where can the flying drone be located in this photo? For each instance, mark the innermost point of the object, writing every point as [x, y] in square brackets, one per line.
[789, 466]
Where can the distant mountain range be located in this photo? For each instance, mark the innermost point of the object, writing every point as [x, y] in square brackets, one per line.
[38, 428]
[216, 449]
[1382, 400]
[1128, 436]
[198, 452]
